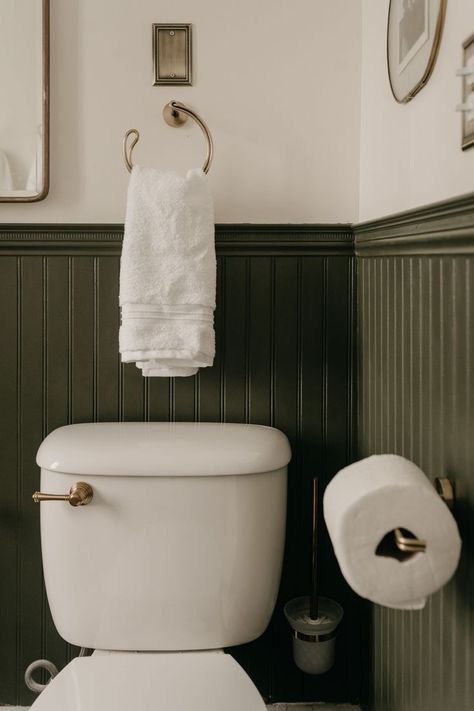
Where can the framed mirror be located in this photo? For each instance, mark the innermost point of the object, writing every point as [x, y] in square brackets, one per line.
[24, 105]
[414, 31]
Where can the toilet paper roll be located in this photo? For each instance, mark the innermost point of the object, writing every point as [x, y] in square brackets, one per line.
[364, 504]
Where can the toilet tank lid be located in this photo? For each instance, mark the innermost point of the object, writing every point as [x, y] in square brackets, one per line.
[164, 449]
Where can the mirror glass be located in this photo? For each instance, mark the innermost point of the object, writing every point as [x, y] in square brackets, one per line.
[24, 130]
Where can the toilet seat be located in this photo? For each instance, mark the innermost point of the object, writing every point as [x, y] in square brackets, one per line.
[151, 681]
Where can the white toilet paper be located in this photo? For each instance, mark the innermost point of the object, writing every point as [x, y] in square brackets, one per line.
[371, 498]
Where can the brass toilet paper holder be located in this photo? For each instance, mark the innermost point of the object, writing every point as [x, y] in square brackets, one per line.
[411, 544]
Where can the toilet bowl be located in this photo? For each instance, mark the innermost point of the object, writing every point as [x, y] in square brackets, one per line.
[177, 555]
[201, 681]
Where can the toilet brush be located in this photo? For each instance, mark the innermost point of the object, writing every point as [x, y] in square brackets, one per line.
[314, 620]
[313, 603]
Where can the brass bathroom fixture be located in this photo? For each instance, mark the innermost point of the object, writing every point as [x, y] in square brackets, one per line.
[410, 544]
[80, 494]
[445, 489]
[172, 54]
[175, 114]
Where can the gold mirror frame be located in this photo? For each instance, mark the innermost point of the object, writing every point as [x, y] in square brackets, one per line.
[45, 114]
[438, 32]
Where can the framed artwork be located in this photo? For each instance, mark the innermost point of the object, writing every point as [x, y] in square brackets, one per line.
[414, 31]
[467, 93]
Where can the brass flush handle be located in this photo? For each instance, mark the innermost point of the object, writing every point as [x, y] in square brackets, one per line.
[80, 494]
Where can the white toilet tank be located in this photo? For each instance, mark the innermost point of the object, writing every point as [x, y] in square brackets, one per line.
[182, 544]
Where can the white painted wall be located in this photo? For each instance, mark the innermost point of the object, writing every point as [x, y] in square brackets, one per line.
[410, 154]
[270, 79]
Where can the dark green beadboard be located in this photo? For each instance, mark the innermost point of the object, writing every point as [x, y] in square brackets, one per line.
[285, 340]
[416, 398]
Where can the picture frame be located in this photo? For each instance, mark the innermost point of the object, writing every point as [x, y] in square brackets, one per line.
[414, 32]
[467, 138]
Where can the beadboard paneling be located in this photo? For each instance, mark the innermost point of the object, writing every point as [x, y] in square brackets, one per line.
[416, 398]
[284, 325]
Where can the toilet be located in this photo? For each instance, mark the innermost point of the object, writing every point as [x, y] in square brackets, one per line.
[171, 552]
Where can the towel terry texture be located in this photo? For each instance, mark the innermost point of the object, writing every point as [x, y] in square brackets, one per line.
[6, 183]
[168, 273]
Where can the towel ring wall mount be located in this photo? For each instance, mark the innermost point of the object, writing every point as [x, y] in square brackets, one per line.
[175, 114]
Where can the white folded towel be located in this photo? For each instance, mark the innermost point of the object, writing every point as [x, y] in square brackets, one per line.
[168, 273]
[6, 183]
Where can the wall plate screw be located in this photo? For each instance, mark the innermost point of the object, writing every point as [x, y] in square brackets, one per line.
[172, 76]
[172, 33]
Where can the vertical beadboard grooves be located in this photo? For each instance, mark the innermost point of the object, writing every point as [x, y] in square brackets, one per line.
[18, 618]
[284, 357]
[415, 344]
[352, 363]
[45, 418]
[324, 390]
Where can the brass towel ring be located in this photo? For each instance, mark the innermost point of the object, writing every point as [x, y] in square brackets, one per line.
[175, 114]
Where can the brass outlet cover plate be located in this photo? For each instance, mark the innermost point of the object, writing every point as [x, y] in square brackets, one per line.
[172, 54]
[467, 126]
